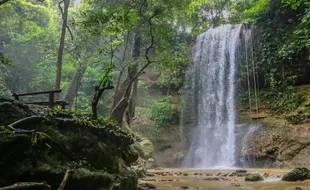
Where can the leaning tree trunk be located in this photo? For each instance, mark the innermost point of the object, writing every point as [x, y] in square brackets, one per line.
[74, 85]
[132, 101]
[122, 95]
[120, 90]
[97, 94]
[121, 85]
[61, 45]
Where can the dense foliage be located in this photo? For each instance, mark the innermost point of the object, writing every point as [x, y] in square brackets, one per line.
[281, 51]
[113, 42]
[163, 112]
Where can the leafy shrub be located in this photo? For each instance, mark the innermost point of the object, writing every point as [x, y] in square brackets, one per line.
[283, 101]
[163, 111]
[296, 118]
[283, 97]
[143, 94]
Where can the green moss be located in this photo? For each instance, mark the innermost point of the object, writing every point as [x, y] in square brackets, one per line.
[253, 177]
[84, 119]
[298, 174]
[143, 145]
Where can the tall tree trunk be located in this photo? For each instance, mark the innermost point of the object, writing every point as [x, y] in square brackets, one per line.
[97, 94]
[121, 88]
[122, 79]
[132, 101]
[122, 95]
[61, 45]
[74, 85]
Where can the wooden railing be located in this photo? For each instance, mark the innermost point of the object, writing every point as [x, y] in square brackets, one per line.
[51, 102]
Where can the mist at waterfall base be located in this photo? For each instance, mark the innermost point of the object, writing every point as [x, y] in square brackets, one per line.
[210, 88]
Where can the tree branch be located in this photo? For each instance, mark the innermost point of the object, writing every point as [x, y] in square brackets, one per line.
[62, 14]
[11, 130]
[27, 186]
[124, 99]
[32, 119]
[65, 179]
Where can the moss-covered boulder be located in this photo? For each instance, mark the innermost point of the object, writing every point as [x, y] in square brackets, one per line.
[146, 186]
[253, 177]
[144, 146]
[97, 151]
[298, 174]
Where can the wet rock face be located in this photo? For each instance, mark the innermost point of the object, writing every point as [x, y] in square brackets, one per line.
[253, 177]
[298, 174]
[278, 147]
[98, 154]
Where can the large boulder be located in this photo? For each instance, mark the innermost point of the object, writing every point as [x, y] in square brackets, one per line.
[144, 146]
[298, 174]
[253, 177]
[146, 186]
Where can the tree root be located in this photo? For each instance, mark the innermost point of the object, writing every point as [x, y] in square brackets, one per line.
[10, 129]
[27, 120]
[27, 186]
[65, 179]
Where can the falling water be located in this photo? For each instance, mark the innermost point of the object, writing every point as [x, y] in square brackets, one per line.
[213, 141]
[250, 131]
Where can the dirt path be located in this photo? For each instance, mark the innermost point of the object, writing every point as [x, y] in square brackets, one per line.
[177, 179]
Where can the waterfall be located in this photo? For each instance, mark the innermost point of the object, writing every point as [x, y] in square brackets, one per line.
[243, 158]
[211, 82]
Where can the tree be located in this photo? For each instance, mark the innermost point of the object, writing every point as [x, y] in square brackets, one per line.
[64, 13]
[151, 31]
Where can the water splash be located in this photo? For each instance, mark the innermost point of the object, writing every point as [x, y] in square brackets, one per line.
[250, 130]
[212, 80]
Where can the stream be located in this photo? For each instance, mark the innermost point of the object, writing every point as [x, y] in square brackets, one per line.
[177, 179]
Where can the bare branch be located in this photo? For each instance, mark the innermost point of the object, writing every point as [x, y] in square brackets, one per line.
[27, 185]
[69, 30]
[60, 8]
[62, 15]
[65, 179]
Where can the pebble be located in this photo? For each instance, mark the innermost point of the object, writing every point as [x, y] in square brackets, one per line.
[236, 184]
[241, 171]
[184, 187]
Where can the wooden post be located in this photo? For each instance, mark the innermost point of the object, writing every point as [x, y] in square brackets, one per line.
[51, 99]
[51, 102]
[15, 96]
[63, 105]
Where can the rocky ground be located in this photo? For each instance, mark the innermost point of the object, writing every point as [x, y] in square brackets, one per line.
[178, 179]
